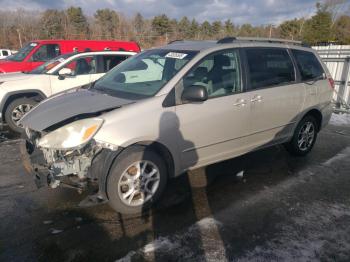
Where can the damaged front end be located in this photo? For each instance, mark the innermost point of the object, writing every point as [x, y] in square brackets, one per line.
[76, 163]
[69, 157]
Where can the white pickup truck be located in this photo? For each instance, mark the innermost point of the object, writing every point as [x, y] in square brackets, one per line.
[5, 53]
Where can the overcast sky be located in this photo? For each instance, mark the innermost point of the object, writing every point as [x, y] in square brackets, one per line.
[244, 11]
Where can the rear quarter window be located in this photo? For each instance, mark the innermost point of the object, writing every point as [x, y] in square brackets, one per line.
[269, 67]
[308, 65]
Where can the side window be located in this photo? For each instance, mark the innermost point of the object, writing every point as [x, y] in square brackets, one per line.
[82, 66]
[5, 53]
[269, 67]
[308, 65]
[110, 61]
[46, 52]
[219, 73]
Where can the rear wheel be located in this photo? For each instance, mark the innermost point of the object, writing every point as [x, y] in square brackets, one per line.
[137, 179]
[304, 137]
[16, 110]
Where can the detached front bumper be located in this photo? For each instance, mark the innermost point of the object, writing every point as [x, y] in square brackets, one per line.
[34, 163]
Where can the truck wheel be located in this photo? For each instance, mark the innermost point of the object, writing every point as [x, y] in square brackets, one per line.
[16, 110]
[304, 137]
[136, 180]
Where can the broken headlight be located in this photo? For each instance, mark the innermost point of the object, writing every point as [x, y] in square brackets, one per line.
[73, 135]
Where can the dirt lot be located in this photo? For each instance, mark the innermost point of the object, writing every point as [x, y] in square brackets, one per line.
[282, 209]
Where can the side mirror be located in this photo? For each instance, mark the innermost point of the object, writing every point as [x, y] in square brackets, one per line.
[194, 93]
[64, 72]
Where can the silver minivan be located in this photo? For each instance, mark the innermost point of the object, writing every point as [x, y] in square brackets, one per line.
[177, 108]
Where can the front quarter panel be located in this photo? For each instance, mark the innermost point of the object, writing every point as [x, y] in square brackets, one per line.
[143, 121]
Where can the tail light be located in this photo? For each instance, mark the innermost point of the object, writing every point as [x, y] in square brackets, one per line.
[331, 82]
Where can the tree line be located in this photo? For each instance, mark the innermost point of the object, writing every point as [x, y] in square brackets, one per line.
[330, 23]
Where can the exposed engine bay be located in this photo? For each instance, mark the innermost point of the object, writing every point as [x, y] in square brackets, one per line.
[72, 162]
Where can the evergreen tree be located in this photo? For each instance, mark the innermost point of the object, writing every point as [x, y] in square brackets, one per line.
[291, 28]
[342, 30]
[318, 29]
[78, 26]
[229, 28]
[184, 28]
[206, 30]
[52, 24]
[217, 28]
[161, 24]
[107, 20]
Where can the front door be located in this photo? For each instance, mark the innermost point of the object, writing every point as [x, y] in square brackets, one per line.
[43, 54]
[215, 129]
[82, 68]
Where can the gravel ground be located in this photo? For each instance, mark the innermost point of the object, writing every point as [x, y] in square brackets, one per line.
[283, 208]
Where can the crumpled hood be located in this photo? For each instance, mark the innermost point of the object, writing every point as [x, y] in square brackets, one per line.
[67, 105]
[14, 76]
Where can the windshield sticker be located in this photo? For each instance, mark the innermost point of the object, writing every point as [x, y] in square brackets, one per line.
[176, 55]
[33, 44]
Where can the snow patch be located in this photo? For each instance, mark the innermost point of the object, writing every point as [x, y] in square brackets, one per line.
[208, 223]
[163, 243]
[340, 119]
[177, 245]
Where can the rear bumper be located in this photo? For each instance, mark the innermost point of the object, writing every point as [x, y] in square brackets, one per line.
[33, 163]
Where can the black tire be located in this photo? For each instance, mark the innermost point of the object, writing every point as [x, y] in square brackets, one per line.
[10, 109]
[293, 147]
[120, 165]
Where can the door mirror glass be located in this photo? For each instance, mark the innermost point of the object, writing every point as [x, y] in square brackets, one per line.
[195, 93]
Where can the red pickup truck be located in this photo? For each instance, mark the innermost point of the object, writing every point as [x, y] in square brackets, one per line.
[37, 52]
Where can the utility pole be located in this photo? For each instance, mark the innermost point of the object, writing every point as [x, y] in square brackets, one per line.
[19, 37]
[271, 27]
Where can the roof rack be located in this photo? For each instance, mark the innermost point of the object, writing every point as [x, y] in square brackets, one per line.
[174, 41]
[227, 40]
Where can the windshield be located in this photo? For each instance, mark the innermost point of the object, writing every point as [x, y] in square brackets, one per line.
[22, 53]
[44, 68]
[145, 74]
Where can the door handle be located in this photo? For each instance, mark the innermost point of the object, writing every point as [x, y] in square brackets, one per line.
[256, 99]
[240, 102]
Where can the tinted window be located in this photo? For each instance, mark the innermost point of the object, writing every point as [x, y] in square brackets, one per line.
[82, 66]
[5, 53]
[46, 52]
[269, 67]
[219, 73]
[308, 65]
[110, 61]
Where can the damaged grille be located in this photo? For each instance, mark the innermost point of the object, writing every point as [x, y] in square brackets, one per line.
[70, 162]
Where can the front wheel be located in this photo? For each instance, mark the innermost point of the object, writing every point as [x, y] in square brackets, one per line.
[16, 110]
[304, 137]
[137, 179]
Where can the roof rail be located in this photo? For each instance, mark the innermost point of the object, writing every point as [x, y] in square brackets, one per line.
[174, 41]
[227, 40]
